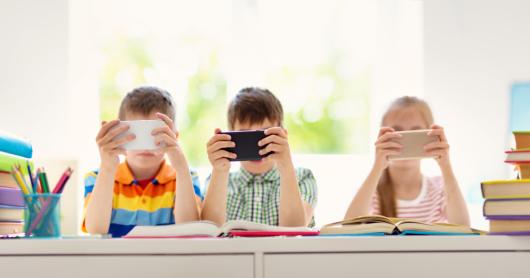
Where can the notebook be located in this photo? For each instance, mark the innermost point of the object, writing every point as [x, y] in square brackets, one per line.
[11, 213]
[11, 228]
[8, 160]
[522, 139]
[509, 227]
[6, 180]
[12, 144]
[11, 197]
[377, 224]
[210, 229]
[506, 189]
[511, 209]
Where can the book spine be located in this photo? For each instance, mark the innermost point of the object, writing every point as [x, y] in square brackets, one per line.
[15, 146]
[7, 161]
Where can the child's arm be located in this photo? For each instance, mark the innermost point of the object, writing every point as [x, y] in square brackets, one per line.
[214, 206]
[293, 210]
[456, 205]
[99, 207]
[185, 207]
[361, 203]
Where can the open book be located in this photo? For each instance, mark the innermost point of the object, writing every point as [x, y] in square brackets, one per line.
[210, 229]
[381, 225]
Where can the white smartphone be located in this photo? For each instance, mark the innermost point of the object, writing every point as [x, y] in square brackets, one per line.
[142, 129]
[413, 142]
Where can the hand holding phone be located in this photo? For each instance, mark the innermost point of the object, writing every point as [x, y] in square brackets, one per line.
[246, 145]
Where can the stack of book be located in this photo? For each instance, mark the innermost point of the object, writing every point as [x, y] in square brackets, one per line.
[507, 202]
[13, 151]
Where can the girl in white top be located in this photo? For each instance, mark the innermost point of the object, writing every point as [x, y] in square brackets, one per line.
[398, 188]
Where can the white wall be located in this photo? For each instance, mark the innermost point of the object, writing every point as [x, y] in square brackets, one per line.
[45, 84]
[474, 50]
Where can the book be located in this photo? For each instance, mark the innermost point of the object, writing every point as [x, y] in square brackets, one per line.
[506, 189]
[8, 160]
[11, 228]
[11, 197]
[377, 224]
[6, 180]
[12, 144]
[210, 229]
[509, 227]
[517, 156]
[507, 209]
[522, 139]
[11, 213]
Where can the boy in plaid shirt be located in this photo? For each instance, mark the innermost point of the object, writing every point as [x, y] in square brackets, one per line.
[270, 191]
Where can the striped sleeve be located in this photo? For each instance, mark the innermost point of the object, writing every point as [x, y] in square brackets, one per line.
[308, 186]
[196, 184]
[89, 182]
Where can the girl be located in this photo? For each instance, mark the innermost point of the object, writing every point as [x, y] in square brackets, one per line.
[397, 188]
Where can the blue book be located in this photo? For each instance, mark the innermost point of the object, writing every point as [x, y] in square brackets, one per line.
[14, 145]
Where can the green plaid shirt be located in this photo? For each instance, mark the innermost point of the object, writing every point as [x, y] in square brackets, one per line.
[256, 198]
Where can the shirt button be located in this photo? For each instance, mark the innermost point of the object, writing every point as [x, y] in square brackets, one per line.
[144, 201]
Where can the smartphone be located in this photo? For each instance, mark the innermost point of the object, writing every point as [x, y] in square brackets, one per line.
[142, 130]
[413, 142]
[246, 148]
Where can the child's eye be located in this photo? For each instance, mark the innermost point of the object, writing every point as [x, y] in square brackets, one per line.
[397, 128]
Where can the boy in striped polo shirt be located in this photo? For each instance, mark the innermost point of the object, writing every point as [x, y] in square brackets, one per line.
[144, 189]
[270, 191]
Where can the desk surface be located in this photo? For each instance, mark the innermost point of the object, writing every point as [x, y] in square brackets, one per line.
[263, 245]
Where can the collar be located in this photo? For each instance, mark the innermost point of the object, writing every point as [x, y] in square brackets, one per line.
[248, 178]
[165, 174]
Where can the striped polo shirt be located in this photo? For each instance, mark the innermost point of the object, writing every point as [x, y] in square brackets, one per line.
[429, 206]
[132, 205]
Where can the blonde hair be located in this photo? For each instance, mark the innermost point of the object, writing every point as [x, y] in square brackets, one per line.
[385, 186]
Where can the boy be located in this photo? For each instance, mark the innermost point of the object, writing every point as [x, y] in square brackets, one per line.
[269, 191]
[145, 189]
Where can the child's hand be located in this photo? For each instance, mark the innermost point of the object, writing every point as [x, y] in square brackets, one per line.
[219, 158]
[385, 147]
[167, 138]
[109, 147]
[277, 145]
[438, 149]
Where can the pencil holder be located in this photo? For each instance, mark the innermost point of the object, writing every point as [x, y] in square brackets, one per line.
[42, 215]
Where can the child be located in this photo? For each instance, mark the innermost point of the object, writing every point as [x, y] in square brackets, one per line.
[397, 188]
[145, 189]
[269, 191]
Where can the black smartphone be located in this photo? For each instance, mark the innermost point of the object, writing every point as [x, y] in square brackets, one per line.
[246, 144]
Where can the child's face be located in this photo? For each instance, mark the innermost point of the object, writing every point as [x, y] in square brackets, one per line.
[143, 159]
[401, 120]
[260, 166]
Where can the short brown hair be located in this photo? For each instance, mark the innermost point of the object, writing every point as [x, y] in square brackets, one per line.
[254, 105]
[146, 100]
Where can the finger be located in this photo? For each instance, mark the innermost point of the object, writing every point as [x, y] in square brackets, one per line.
[223, 154]
[388, 153]
[221, 145]
[389, 145]
[218, 137]
[164, 138]
[436, 145]
[436, 153]
[271, 148]
[439, 131]
[105, 128]
[272, 139]
[118, 151]
[384, 130]
[113, 133]
[388, 136]
[165, 130]
[120, 142]
[276, 131]
[166, 120]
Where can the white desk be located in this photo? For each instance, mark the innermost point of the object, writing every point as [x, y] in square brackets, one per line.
[485, 256]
